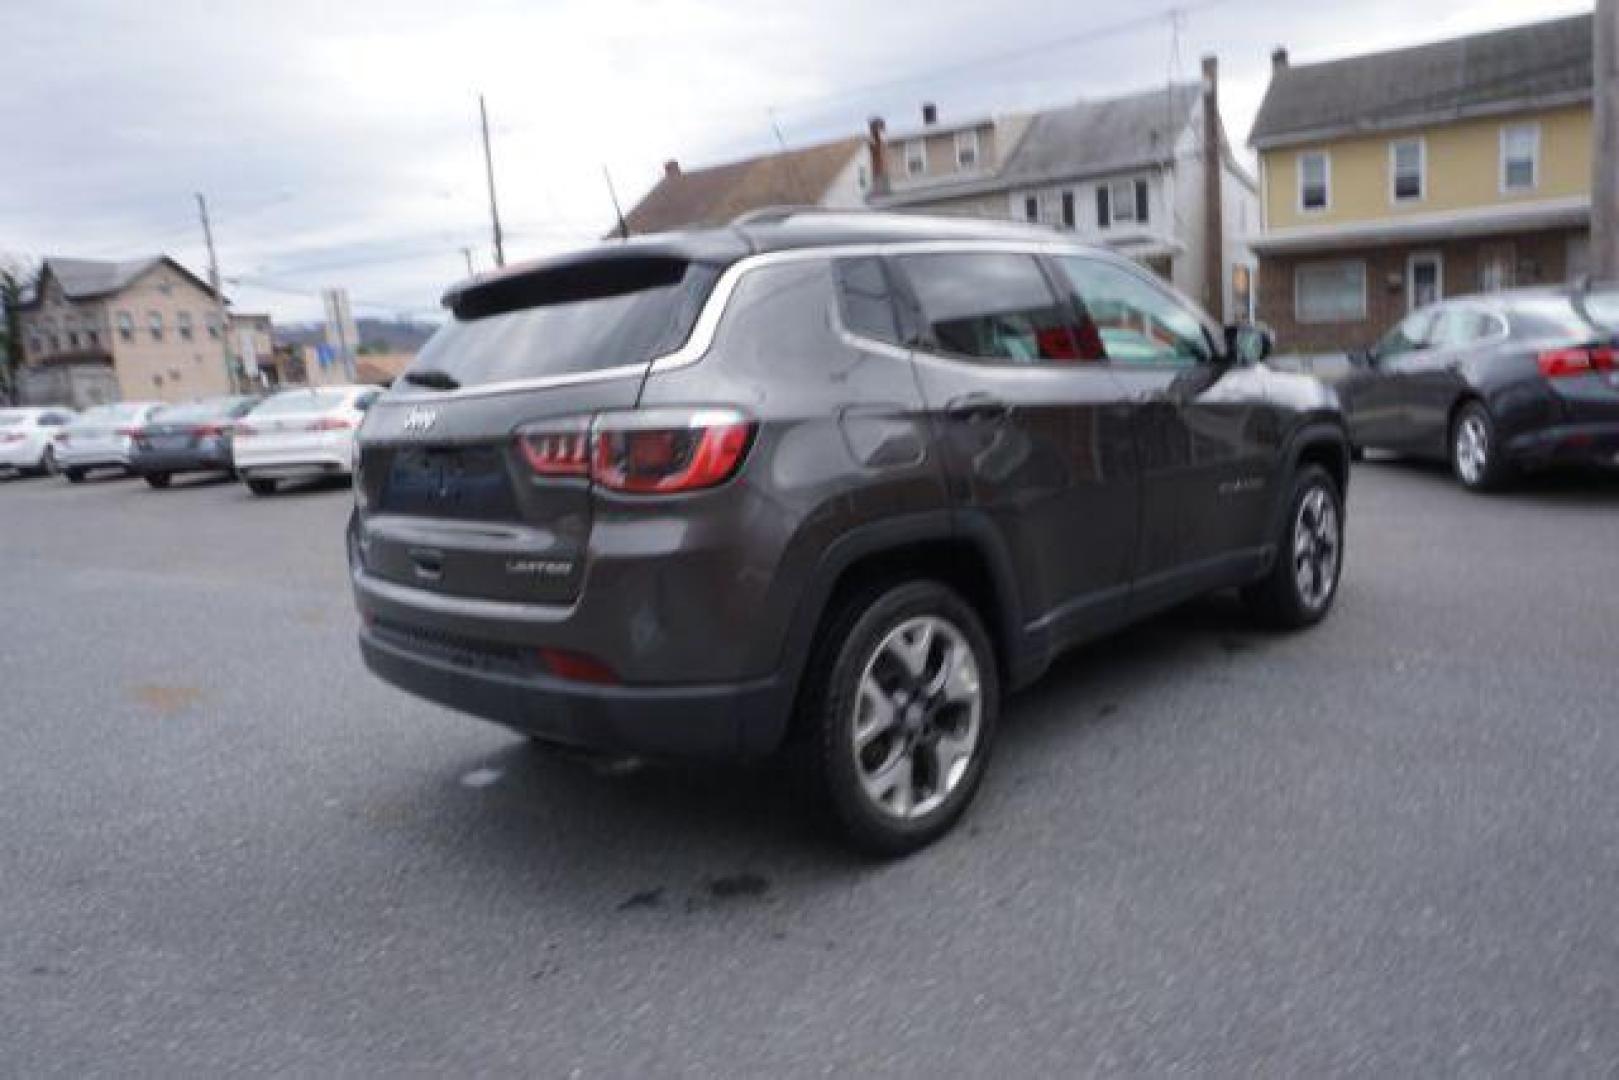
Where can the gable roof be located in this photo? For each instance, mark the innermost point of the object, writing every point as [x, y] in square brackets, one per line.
[1500, 71]
[87, 279]
[1087, 138]
[714, 196]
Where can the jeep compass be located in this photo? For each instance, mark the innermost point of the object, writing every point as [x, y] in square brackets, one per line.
[827, 482]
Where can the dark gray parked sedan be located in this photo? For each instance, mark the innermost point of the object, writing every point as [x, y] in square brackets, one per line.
[188, 438]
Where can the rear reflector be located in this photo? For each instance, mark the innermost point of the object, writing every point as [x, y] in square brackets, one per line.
[1564, 363]
[577, 667]
[646, 452]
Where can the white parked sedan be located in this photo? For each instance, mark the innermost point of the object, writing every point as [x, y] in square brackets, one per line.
[300, 433]
[28, 438]
[101, 437]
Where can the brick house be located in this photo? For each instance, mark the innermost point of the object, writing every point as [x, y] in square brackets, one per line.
[1393, 179]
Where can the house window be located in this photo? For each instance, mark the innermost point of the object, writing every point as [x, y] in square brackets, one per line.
[966, 150]
[126, 326]
[1520, 157]
[36, 344]
[1031, 208]
[1315, 182]
[1122, 200]
[92, 338]
[1406, 167]
[154, 321]
[862, 177]
[1068, 209]
[182, 323]
[1425, 279]
[1497, 263]
[1330, 292]
[213, 325]
[916, 158]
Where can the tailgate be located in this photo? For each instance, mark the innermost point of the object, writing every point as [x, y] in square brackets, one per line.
[455, 508]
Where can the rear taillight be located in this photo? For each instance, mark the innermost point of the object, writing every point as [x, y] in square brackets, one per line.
[210, 431]
[651, 452]
[577, 667]
[16, 437]
[331, 423]
[1563, 363]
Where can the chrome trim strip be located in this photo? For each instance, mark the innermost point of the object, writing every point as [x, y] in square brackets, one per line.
[708, 321]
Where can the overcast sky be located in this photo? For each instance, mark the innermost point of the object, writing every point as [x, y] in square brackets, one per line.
[337, 141]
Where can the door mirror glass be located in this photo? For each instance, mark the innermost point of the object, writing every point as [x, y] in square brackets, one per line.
[1249, 343]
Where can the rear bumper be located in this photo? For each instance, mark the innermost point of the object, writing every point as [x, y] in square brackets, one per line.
[1571, 444]
[20, 455]
[723, 722]
[92, 459]
[154, 461]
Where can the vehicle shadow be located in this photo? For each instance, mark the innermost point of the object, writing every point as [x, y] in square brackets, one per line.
[295, 489]
[683, 834]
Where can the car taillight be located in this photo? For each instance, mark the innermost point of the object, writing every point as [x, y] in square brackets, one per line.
[649, 452]
[331, 423]
[1562, 363]
[577, 667]
[210, 431]
[12, 438]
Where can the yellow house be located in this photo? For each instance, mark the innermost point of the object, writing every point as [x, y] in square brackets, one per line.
[1393, 179]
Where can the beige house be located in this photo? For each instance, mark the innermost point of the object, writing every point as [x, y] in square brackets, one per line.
[149, 324]
[1395, 179]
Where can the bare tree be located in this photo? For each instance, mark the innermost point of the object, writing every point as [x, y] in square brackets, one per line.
[16, 275]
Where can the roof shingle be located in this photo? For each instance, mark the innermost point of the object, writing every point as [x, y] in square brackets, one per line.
[716, 195]
[1483, 73]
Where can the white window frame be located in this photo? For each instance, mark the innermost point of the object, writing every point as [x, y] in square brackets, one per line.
[1299, 271]
[1395, 198]
[1411, 261]
[968, 138]
[1533, 127]
[1128, 184]
[1326, 180]
[918, 159]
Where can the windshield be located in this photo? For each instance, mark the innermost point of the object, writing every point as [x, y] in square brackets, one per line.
[567, 323]
[302, 401]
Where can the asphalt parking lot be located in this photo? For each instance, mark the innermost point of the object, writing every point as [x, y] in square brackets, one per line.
[1387, 846]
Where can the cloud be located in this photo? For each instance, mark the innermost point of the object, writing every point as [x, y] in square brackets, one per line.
[338, 143]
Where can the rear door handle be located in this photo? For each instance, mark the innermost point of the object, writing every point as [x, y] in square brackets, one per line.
[429, 564]
[976, 407]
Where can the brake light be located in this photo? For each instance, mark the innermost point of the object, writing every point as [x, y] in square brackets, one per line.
[1564, 363]
[331, 423]
[577, 667]
[210, 431]
[12, 438]
[650, 452]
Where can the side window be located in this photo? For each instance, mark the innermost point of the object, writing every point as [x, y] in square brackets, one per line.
[1413, 332]
[993, 306]
[1461, 326]
[865, 303]
[1133, 321]
[363, 401]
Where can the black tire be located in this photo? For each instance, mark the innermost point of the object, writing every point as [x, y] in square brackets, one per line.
[1357, 453]
[1482, 469]
[854, 638]
[158, 479]
[261, 487]
[74, 476]
[1279, 599]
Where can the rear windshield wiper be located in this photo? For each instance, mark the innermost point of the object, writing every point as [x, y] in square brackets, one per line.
[433, 380]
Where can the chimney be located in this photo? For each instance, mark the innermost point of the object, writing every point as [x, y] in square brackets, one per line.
[671, 167]
[1278, 59]
[878, 149]
[1214, 254]
[930, 113]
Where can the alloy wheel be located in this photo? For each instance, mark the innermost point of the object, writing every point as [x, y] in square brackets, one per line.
[917, 717]
[1317, 542]
[1472, 448]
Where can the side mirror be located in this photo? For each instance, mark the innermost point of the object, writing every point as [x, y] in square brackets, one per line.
[1249, 343]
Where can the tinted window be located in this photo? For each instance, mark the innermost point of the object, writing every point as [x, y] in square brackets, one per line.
[864, 301]
[12, 419]
[1132, 321]
[197, 410]
[53, 419]
[302, 401]
[1413, 332]
[993, 307]
[1461, 326]
[564, 322]
[1550, 316]
[1603, 307]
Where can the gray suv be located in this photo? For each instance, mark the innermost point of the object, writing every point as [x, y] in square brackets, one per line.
[829, 482]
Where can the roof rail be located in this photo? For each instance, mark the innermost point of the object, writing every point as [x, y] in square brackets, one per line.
[772, 215]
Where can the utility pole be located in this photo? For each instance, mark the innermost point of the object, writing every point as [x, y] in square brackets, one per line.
[1605, 143]
[618, 211]
[489, 169]
[219, 296]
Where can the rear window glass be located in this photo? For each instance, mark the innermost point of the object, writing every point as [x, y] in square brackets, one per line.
[11, 419]
[101, 414]
[1549, 316]
[1604, 309]
[302, 401]
[568, 322]
[864, 300]
[196, 410]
